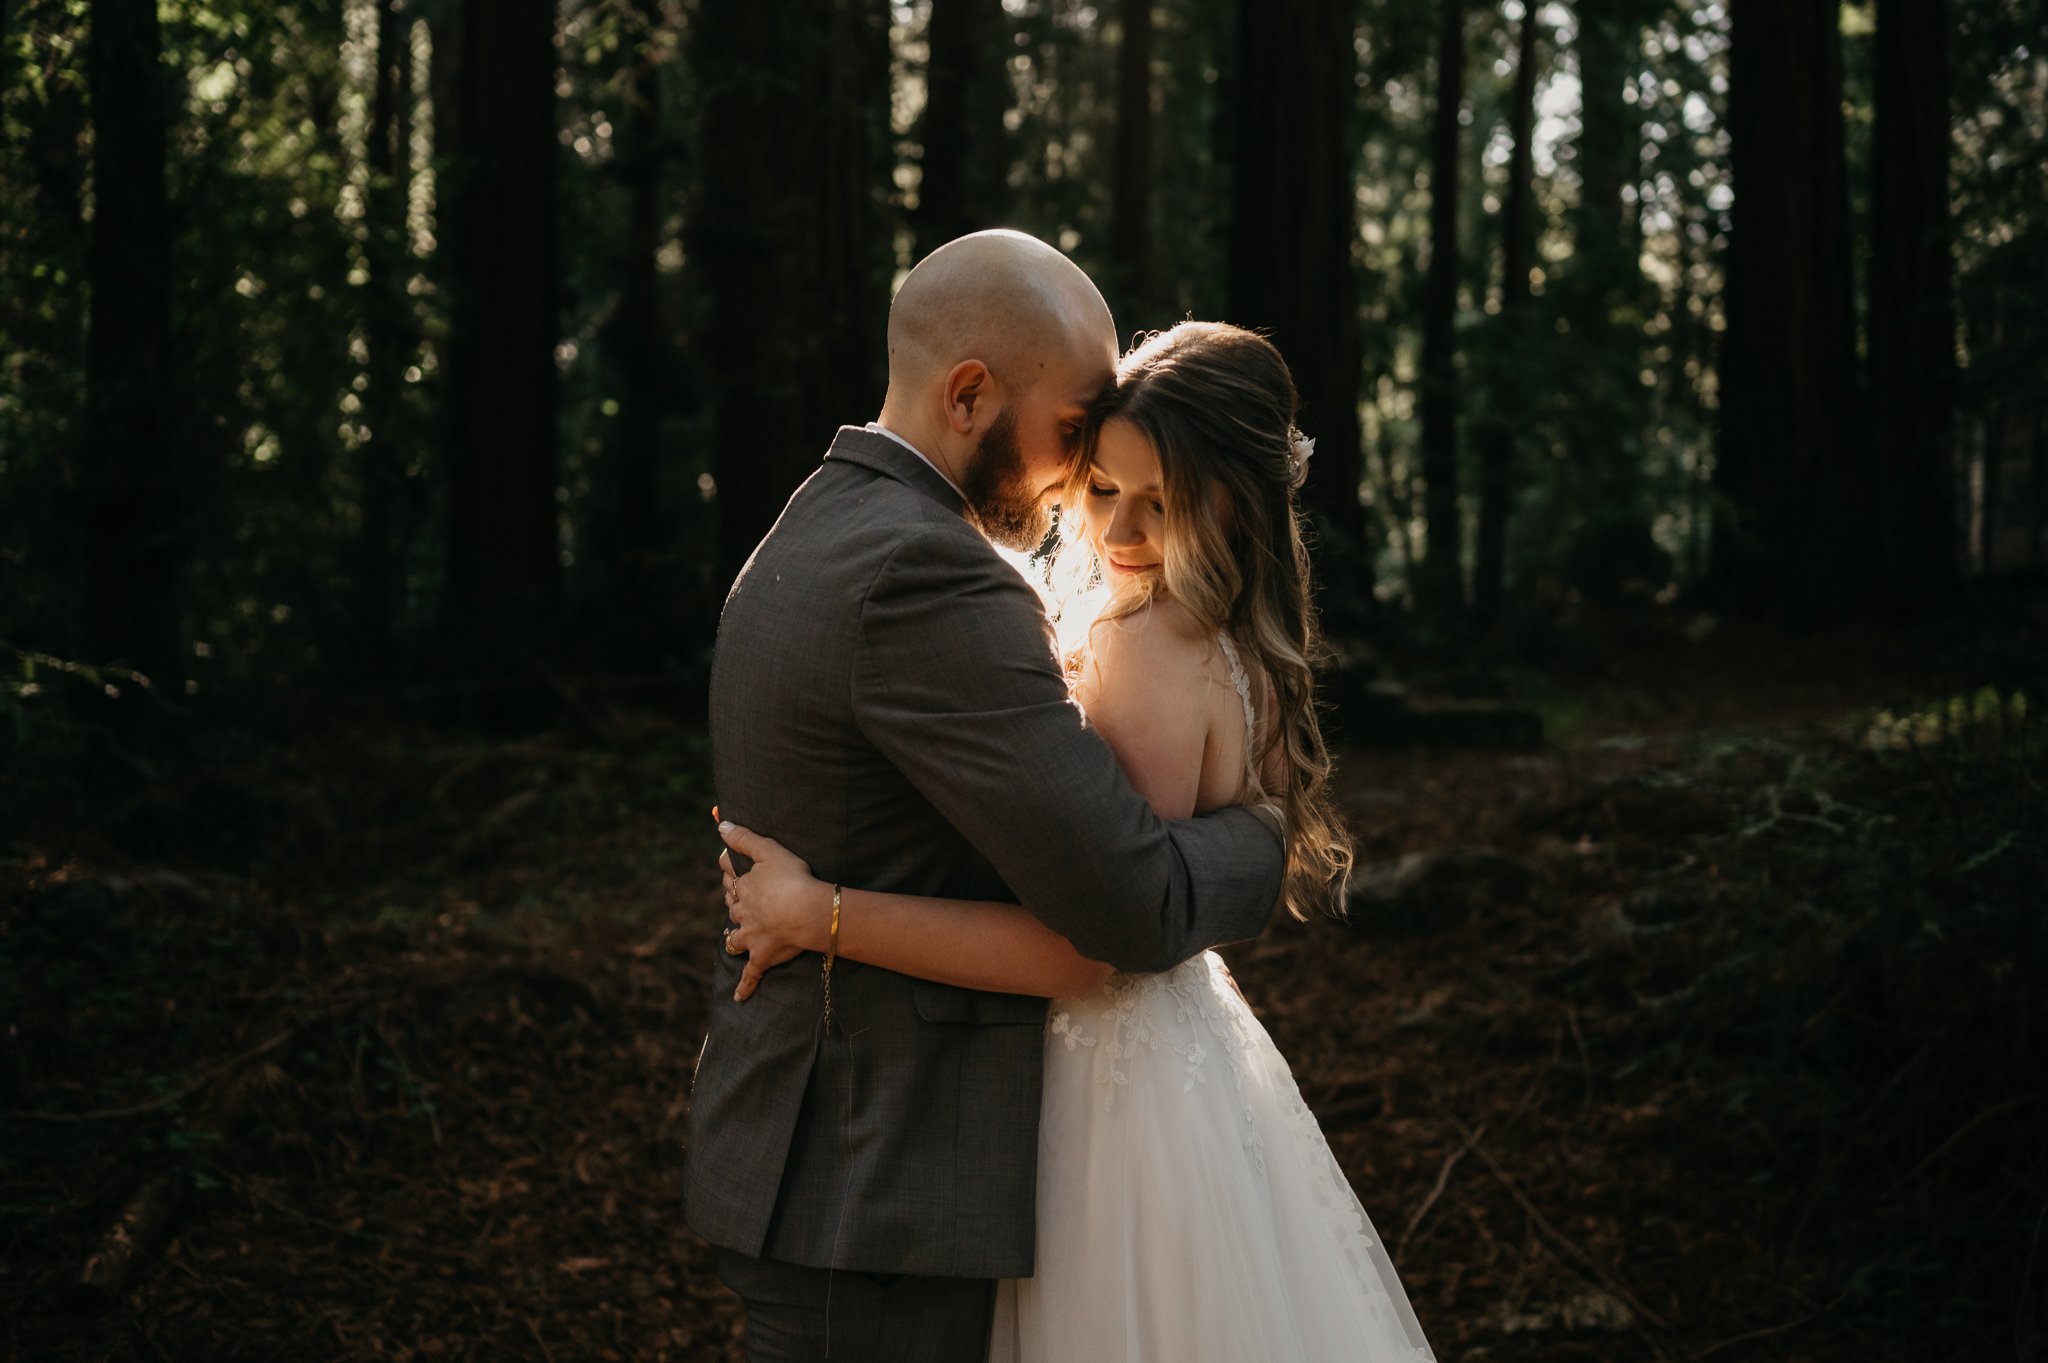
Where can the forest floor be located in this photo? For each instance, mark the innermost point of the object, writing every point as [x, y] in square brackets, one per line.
[1701, 1030]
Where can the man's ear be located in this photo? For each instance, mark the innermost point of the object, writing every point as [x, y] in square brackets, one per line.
[973, 397]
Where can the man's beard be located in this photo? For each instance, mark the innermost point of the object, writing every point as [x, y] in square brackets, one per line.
[1000, 498]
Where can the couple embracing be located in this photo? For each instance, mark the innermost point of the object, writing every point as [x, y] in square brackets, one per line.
[942, 813]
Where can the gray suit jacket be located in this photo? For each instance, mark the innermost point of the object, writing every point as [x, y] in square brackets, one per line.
[885, 702]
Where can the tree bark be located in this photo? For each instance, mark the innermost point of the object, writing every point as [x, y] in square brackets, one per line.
[1606, 126]
[791, 240]
[1785, 459]
[139, 522]
[381, 458]
[1912, 324]
[1131, 213]
[444, 68]
[1497, 450]
[1599, 294]
[1441, 590]
[960, 189]
[503, 548]
[1293, 219]
[639, 347]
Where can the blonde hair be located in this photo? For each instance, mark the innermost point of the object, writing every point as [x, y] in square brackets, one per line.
[1218, 404]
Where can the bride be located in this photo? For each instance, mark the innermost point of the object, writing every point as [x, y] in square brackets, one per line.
[1188, 1206]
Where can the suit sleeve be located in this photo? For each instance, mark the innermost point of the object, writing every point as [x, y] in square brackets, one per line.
[956, 685]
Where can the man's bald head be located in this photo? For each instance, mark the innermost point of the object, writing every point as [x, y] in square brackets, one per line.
[998, 347]
[1000, 297]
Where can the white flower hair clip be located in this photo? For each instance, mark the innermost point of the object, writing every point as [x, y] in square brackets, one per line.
[1302, 446]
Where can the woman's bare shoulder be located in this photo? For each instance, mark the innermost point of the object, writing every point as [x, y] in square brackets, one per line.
[1161, 628]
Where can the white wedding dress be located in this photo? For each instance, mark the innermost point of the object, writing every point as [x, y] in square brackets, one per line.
[1189, 1209]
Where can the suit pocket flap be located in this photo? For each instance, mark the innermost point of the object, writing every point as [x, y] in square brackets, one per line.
[950, 1003]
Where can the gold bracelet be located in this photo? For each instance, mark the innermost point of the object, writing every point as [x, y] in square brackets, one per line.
[831, 954]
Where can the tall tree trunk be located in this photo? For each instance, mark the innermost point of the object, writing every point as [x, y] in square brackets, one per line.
[1131, 224]
[961, 175]
[1600, 296]
[444, 69]
[503, 549]
[639, 347]
[381, 458]
[1606, 143]
[1497, 450]
[1785, 460]
[1293, 218]
[139, 518]
[1441, 589]
[1912, 325]
[791, 241]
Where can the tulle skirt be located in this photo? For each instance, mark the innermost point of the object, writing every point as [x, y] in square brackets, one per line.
[1189, 1209]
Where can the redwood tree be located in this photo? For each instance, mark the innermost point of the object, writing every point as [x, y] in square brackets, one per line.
[1508, 412]
[1793, 490]
[639, 350]
[1599, 292]
[381, 458]
[791, 241]
[1912, 327]
[1605, 151]
[1293, 220]
[961, 167]
[137, 494]
[1131, 192]
[1441, 589]
[503, 549]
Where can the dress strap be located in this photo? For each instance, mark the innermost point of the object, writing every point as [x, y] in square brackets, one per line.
[1243, 684]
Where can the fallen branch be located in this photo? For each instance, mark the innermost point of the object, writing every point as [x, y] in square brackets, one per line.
[1965, 1129]
[142, 1226]
[1765, 1333]
[535, 1331]
[145, 1222]
[1443, 1179]
[1564, 1243]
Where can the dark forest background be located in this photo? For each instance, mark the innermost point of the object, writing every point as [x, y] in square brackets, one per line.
[363, 341]
[390, 390]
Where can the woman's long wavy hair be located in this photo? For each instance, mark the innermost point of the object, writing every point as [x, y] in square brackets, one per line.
[1218, 404]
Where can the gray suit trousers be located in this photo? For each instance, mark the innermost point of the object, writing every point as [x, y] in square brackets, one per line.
[807, 1315]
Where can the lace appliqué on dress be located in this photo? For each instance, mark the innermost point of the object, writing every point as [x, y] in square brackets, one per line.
[1131, 1016]
[1243, 683]
[1192, 1013]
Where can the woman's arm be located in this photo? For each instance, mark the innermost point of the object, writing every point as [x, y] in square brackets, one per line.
[780, 909]
[1144, 691]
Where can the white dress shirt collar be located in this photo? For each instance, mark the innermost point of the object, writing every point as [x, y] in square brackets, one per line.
[879, 429]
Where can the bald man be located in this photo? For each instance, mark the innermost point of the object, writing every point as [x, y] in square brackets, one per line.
[885, 702]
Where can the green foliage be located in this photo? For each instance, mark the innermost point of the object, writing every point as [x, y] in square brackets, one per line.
[42, 293]
[2000, 95]
[1607, 381]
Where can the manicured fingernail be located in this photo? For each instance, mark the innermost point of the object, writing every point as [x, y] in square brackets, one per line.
[725, 827]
